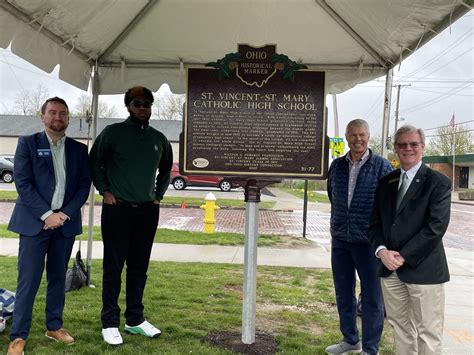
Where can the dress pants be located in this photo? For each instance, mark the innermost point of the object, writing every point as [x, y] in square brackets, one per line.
[128, 233]
[416, 313]
[346, 258]
[31, 259]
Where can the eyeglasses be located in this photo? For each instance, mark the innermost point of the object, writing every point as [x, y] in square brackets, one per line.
[413, 145]
[139, 103]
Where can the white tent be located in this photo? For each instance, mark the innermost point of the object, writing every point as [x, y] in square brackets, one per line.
[121, 43]
[151, 42]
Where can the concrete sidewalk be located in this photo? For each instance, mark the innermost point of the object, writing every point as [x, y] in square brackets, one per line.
[459, 320]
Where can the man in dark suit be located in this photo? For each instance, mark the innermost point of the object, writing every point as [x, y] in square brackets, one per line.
[53, 181]
[410, 216]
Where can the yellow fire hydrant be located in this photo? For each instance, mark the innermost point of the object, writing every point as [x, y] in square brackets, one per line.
[209, 213]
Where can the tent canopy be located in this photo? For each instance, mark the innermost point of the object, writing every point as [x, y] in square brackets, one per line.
[151, 42]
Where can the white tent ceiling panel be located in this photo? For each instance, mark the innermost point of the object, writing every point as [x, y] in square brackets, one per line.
[151, 42]
[393, 26]
[164, 36]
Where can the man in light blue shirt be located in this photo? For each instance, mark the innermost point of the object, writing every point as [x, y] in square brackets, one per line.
[53, 181]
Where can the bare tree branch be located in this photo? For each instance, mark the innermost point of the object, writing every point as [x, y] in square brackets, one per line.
[84, 104]
[169, 107]
[29, 102]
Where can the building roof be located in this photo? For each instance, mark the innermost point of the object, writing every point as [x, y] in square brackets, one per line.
[18, 125]
[448, 159]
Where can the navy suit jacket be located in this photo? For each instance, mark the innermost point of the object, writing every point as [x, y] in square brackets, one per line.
[416, 229]
[35, 183]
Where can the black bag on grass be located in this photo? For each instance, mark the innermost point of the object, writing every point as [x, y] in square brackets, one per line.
[76, 277]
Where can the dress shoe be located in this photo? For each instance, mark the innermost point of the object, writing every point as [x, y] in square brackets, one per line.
[16, 347]
[60, 335]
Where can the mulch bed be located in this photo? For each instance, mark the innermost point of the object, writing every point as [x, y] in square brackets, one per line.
[265, 343]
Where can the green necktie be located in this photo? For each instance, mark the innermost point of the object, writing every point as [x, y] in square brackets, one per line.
[402, 189]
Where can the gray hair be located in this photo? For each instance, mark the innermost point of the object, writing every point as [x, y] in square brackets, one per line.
[358, 122]
[409, 129]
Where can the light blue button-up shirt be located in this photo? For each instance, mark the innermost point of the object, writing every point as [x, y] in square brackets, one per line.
[58, 155]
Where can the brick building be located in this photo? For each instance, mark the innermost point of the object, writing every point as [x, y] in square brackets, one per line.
[463, 170]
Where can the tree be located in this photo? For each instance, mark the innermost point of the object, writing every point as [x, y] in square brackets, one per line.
[84, 104]
[375, 144]
[442, 142]
[169, 106]
[29, 102]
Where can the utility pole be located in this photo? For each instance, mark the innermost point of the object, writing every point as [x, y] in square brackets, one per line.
[398, 106]
[336, 117]
[386, 110]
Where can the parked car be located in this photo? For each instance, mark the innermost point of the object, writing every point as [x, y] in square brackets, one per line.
[180, 182]
[9, 157]
[6, 169]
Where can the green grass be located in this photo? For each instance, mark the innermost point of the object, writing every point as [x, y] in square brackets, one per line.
[184, 237]
[312, 196]
[8, 195]
[187, 301]
[166, 202]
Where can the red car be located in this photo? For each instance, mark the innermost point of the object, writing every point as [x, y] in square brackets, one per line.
[181, 181]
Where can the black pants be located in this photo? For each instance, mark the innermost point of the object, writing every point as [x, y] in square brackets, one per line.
[128, 234]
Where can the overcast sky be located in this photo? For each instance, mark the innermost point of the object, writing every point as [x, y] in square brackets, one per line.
[440, 75]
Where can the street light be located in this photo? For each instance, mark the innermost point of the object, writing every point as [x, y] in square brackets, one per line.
[391, 139]
[398, 119]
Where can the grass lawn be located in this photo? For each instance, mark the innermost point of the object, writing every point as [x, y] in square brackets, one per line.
[187, 237]
[312, 196]
[166, 202]
[187, 301]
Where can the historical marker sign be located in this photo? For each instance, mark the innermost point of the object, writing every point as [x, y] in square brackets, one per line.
[255, 114]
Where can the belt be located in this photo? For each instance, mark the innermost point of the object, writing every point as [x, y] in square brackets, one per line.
[56, 211]
[134, 204]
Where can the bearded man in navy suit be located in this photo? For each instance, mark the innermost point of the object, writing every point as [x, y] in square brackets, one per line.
[411, 214]
[53, 181]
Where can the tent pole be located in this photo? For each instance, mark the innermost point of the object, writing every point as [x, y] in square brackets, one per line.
[386, 111]
[95, 105]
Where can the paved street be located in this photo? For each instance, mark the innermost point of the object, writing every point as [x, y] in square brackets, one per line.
[286, 221]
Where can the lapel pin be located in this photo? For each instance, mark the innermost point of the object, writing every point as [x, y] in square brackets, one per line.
[417, 180]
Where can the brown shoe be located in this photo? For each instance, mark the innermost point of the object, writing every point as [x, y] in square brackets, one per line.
[60, 335]
[16, 347]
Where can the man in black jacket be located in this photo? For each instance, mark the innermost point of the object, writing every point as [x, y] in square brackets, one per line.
[410, 216]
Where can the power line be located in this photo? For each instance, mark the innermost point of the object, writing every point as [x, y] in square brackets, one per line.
[13, 72]
[432, 60]
[438, 92]
[428, 80]
[436, 99]
[456, 124]
[28, 70]
[448, 134]
[449, 62]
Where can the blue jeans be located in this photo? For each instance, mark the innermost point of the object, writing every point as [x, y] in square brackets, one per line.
[346, 258]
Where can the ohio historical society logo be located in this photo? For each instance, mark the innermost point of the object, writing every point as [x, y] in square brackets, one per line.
[254, 66]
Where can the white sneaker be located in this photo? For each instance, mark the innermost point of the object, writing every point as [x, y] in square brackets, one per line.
[146, 328]
[112, 336]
